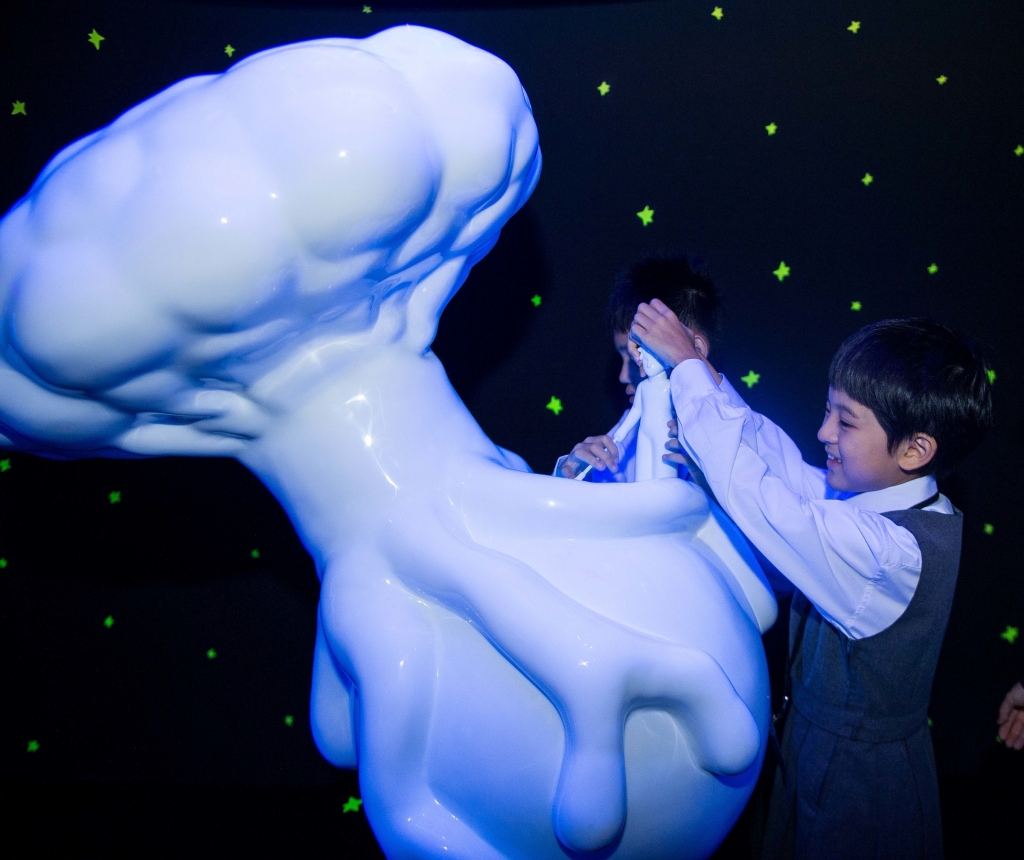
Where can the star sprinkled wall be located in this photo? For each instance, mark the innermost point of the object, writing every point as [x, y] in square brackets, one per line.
[834, 163]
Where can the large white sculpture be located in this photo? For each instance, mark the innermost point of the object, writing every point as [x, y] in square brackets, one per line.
[253, 265]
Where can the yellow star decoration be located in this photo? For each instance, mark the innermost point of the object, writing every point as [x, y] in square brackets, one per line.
[1010, 634]
[718, 13]
[229, 50]
[854, 26]
[781, 272]
[536, 301]
[1019, 151]
[352, 805]
[991, 376]
[988, 528]
[554, 404]
[96, 38]
[751, 379]
[18, 107]
[603, 88]
[855, 306]
[771, 128]
[868, 179]
[646, 215]
[942, 79]
[932, 269]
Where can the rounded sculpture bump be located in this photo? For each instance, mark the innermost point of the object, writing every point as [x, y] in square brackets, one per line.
[253, 264]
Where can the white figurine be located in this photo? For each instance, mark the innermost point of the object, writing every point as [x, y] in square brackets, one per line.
[253, 265]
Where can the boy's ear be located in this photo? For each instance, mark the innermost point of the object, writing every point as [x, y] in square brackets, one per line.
[700, 343]
[917, 452]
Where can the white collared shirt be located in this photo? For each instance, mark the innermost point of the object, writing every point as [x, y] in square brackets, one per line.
[857, 567]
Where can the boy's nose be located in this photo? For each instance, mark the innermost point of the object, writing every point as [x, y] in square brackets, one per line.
[827, 432]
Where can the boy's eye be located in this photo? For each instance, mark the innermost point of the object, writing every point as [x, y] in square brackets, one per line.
[845, 424]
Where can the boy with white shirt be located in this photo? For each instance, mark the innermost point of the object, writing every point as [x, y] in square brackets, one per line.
[873, 549]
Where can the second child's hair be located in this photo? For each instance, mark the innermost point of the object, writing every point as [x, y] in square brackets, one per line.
[681, 283]
[918, 376]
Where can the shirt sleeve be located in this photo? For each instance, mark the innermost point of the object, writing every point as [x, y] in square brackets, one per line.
[857, 567]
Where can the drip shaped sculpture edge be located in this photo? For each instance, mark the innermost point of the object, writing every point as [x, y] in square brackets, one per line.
[253, 265]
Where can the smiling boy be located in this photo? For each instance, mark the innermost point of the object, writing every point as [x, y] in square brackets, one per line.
[872, 547]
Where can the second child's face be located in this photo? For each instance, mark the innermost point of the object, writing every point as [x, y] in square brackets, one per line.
[857, 447]
[629, 373]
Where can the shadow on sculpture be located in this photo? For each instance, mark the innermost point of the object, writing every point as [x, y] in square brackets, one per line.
[253, 265]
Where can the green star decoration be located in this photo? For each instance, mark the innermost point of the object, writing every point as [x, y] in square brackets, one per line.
[96, 38]
[535, 301]
[751, 379]
[3, 563]
[989, 529]
[554, 404]
[1019, 151]
[991, 376]
[717, 13]
[229, 50]
[930, 723]
[18, 107]
[114, 497]
[932, 269]
[942, 79]
[255, 553]
[855, 306]
[33, 746]
[5, 464]
[781, 272]
[108, 622]
[603, 88]
[211, 654]
[367, 10]
[1010, 634]
[289, 720]
[854, 26]
[352, 805]
[646, 215]
[868, 179]
[771, 128]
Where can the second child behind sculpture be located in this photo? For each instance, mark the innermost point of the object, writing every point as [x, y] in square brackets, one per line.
[685, 286]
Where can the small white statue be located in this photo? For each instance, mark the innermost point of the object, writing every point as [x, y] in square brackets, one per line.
[253, 265]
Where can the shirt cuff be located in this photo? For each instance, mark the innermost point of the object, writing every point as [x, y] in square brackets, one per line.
[691, 380]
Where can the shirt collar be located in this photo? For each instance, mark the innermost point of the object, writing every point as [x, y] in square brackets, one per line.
[896, 498]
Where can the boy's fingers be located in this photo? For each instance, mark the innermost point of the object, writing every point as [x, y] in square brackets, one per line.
[678, 459]
[673, 428]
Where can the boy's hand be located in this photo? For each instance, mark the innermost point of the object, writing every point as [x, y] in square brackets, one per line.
[1011, 718]
[601, 452]
[659, 330]
[678, 456]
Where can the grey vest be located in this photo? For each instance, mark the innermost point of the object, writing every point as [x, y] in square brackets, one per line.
[858, 778]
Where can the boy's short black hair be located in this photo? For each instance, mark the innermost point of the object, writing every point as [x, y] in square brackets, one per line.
[918, 376]
[680, 282]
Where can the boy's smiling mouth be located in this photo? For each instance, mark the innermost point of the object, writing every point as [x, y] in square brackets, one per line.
[833, 458]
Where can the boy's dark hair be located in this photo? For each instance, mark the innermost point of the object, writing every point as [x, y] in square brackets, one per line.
[918, 376]
[681, 283]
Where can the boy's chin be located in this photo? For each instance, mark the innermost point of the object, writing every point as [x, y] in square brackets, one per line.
[837, 482]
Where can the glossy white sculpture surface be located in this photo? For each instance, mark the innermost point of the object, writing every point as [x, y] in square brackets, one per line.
[253, 265]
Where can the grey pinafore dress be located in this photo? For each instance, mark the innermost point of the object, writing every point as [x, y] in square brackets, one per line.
[857, 774]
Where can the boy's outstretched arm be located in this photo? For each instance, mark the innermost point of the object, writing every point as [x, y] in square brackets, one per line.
[859, 568]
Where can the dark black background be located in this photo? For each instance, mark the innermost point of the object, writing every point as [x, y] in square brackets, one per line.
[149, 748]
